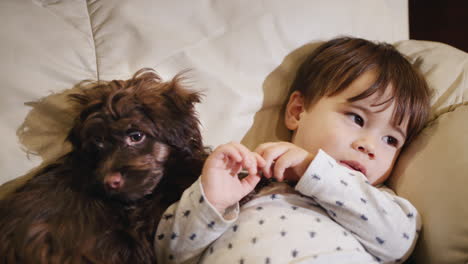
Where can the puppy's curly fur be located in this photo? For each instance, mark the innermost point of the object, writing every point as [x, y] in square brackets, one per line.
[136, 146]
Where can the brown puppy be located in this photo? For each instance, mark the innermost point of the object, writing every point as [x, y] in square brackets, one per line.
[136, 148]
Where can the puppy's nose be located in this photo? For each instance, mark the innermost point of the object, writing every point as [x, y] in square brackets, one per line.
[114, 181]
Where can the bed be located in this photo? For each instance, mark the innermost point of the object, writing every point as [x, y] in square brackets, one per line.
[241, 55]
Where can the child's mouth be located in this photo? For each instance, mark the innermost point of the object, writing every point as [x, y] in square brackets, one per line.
[354, 165]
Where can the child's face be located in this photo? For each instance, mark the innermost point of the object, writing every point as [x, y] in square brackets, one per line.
[359, 135]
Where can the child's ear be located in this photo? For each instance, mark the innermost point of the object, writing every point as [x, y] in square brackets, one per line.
[294, 108]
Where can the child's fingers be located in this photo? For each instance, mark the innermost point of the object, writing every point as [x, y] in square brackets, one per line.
[260, 160]
[270, 152]
[250, 182]
[228, 151]
[287, 160]
[261, 164]
[251, 166]
[259, 151]
[235, 168]
[249, 161]
[262, 147]
[234, 151]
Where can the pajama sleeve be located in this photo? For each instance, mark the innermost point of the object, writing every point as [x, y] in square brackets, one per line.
[189, 226]
[385, 224]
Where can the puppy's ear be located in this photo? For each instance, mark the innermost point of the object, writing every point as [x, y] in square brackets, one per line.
[171, 107]
[166, 98]
[91, 97]
[186, 136]
[181, 96]
[85, 100]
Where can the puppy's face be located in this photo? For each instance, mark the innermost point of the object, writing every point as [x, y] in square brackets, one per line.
[128, 158]
[128, 131]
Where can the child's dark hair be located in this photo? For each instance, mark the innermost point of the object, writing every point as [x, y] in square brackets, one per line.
[334, 65]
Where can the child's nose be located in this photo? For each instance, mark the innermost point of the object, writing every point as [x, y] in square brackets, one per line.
[365, 146]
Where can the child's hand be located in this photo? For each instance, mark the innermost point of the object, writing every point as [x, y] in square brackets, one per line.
[219, 178]
[284, 160]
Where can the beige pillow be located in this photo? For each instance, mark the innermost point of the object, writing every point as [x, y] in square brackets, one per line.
[433, 174]
[433, 171]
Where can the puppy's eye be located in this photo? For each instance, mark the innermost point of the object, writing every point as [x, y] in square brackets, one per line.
[135, 137]
[98, 141]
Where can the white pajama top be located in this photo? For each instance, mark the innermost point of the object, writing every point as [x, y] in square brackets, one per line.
[333, 215]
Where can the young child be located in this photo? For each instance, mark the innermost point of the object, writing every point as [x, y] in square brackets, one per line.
[354, 105]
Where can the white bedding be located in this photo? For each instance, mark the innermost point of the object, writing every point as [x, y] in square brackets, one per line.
[231, 46]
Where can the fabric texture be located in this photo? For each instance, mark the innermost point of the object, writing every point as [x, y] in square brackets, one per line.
[334, 215]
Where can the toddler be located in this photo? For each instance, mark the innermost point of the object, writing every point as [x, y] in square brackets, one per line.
[353, 106]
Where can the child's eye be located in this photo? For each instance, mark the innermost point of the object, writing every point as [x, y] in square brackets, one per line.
[356, 119]
[390, 141]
